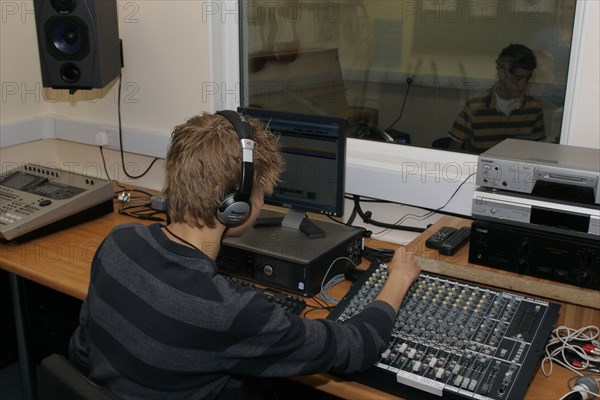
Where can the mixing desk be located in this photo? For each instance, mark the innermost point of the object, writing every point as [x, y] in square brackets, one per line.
[455, 339]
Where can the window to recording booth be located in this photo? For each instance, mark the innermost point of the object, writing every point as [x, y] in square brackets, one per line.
[404, 71]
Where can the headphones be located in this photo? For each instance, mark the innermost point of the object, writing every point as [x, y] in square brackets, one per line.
[236, 207]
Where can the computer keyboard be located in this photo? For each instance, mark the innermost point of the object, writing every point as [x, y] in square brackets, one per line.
[289, 302]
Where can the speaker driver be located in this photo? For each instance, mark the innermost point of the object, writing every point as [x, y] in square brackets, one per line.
[67, 37]
[63, 6]
[70, 73]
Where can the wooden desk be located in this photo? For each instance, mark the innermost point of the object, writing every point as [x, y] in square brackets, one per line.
[62, 261]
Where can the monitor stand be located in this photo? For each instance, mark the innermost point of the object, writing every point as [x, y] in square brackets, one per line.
[292, 219]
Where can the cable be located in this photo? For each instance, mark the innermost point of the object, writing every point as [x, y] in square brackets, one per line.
[140, 207]
[104, 162]
[454, 193]
[325, 291]
[121, 151]
[326, 287]
[574, 349]
[584, 387]
[379, 255]
[366, 217]
[142, 211]
[409, 82]
[121, 137]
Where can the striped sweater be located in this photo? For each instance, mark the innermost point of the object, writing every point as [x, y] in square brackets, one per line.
[160, 323]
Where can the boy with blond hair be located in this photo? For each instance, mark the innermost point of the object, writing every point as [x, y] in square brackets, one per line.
[159, 322]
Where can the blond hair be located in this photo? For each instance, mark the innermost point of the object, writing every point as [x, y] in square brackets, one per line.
[204, 164]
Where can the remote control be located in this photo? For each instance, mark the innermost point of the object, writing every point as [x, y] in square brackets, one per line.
[455, 242]
[434, 241]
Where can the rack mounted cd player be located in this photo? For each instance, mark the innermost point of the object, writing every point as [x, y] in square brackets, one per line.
[539, 168]
[581, 220]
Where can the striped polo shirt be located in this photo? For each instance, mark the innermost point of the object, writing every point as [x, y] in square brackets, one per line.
[480, 125]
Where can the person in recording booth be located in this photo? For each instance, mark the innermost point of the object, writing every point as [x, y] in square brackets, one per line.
[505, 110]
[159, 322]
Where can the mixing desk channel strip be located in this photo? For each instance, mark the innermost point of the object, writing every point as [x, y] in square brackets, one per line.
[454, 340]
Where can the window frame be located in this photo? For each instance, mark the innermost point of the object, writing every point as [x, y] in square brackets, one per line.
[405, 174]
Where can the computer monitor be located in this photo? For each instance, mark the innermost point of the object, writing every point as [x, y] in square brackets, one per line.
[314, 152]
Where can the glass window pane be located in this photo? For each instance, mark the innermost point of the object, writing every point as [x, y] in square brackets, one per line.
[428, 73]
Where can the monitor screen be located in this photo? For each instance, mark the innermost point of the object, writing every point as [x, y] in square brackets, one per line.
[314, 151]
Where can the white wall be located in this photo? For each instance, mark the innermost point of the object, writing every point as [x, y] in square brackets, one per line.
[166, 47]
[21, 89]
[583, 125]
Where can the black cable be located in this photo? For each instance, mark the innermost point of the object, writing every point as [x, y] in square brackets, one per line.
[379, 255]
[139, 207]
[369, 200]
[352, 216]
[312, 309]
[367, 218]
[409, 82]
[454, 193]
[121, 137]
[141, 211]
[104, 163]
[166, 228]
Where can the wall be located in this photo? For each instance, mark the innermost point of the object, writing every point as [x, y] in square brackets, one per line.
[583, 124]
[166, 45]
[21, 89]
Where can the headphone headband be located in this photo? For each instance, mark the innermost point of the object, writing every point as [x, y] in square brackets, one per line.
[236, 206]
[239, 122]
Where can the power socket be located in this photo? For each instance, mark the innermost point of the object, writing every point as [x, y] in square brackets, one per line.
[107, 138]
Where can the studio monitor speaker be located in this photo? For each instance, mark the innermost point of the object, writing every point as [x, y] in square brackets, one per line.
[79, 43]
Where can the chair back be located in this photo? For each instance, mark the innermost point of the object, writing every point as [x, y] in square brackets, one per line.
[58, 379]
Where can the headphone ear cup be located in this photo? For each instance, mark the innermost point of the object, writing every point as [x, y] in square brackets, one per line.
[234, 210]
[236, 207]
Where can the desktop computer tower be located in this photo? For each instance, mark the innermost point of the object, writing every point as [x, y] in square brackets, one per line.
[286, 259]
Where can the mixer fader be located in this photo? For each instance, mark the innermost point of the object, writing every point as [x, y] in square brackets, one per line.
[455, 339]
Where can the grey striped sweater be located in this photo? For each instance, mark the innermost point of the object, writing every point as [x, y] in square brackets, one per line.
[160, 323]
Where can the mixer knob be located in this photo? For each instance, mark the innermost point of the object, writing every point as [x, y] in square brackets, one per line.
[584, 278]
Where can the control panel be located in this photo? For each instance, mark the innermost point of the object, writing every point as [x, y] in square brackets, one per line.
[33, 197]
[455, 339]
